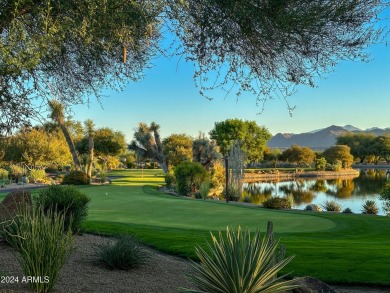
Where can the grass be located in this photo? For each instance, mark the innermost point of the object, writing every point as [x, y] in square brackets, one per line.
[336, 248]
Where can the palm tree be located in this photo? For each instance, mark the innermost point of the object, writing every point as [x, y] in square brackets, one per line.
[57, 115]
[90, 132]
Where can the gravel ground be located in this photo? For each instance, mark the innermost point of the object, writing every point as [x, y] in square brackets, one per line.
[163, 273]
[81, 274]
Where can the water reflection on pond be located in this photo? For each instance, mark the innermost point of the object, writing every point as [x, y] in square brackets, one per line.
[350, 193]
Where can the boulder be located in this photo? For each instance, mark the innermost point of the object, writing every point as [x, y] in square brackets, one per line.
[14, 203]
[309, 285]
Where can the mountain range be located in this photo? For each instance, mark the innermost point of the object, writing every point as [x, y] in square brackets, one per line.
[319, 139]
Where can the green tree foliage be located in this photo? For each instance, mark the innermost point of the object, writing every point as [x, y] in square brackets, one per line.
[385, 197]
[267, 47]
[70, 49]
[36, 147]
[177, 148]
[189, 176]
[272, 155]
[380, 148]
[360, 144]
[106, 142]
[205, 151]
[339, 153]
[147, 143]
[253, 138]
[320, 164]
[298, 155]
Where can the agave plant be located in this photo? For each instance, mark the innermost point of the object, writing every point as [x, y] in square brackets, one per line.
[240, 263]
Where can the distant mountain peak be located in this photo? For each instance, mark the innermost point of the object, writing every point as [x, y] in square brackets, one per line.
[350, 127]
[318, 139]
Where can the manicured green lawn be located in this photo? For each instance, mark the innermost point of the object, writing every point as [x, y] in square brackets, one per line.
[335, 248]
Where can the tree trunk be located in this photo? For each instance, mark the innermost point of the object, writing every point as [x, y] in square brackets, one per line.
[227, 178]
[71, 146]
[163, 166]
[91, 153]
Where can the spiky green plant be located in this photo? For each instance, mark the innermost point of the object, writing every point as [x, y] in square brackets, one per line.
[239, 262]
[370, 208]
[332, 206]
[42, 245]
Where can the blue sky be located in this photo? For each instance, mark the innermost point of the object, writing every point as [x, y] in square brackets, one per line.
[355, 93]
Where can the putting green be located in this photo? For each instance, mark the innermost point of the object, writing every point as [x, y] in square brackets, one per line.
[147, 206]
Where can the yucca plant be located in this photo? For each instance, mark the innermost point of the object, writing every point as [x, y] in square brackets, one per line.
[240, 262]
[370, 207]
[42, 245]
[332, 206]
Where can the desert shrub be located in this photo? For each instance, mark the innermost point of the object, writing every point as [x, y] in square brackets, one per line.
[347, 211]
[189, 176]
[76, 177]
[37, 174]
[217, 175]
[233, 191]
[3, 174]
[239, 262]
[332, 206]
[370, 207]
[276, 202]
[247, 199]
[170, 179]
[313, 207]
[42, 243]
[320, 164]
[385, 197]
[66, 199]
[124, 254]
[204, 189]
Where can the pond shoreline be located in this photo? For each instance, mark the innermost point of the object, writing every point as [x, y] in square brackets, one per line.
[347, 173]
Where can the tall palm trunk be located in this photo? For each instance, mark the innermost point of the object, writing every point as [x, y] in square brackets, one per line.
[71, 146]
[91, 145]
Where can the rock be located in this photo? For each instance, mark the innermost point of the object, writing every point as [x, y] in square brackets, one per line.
[309, 285]
[13, 203]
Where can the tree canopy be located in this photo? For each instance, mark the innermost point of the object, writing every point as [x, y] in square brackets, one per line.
[177, 148]
[298, 155]
[73, 49]
[252, 137]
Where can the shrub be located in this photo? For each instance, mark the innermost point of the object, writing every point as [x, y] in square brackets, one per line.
[313, 207]
[332, 206]
[320, 164]
[233, 191]
[246, 199]
[170, 179]
[370, 207]
[3, 174]
[204, 189]
[347, 211]
[43, 245]
[276, 202]
[37, 174]
[239, 262]
[189, 176]
[67, 199]
[385, 197]
[125, 254]
[76, 177]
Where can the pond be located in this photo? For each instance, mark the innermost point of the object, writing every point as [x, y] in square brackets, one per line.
[350, 193]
